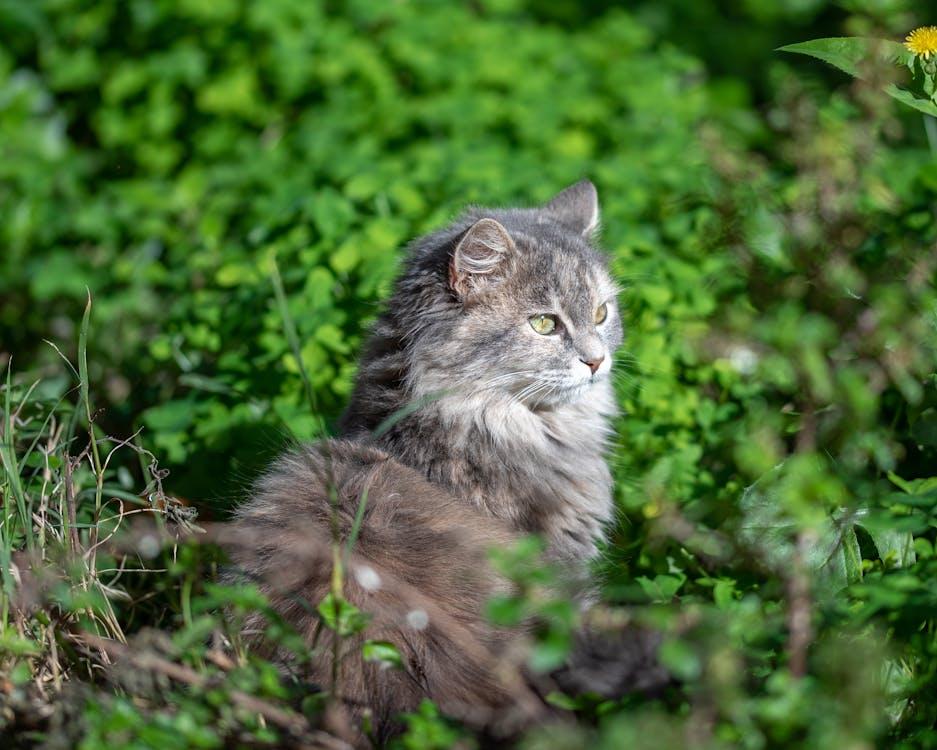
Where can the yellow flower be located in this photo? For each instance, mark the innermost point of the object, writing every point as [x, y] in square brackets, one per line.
[923, 42]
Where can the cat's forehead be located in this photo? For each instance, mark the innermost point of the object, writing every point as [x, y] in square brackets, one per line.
[552, 262]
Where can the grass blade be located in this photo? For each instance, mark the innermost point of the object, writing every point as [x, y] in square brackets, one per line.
[292, 337]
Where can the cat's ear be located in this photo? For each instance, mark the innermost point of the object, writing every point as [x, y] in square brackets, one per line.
[577, 207]
[481, 257]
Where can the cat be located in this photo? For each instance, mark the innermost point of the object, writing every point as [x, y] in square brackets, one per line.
[518, 419]
[481, 412]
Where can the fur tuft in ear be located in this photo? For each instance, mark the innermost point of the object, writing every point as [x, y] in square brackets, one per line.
[577, 207]
[480, 258]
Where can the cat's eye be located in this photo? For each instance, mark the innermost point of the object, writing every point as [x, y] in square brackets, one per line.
[543, 324]
[601, 313]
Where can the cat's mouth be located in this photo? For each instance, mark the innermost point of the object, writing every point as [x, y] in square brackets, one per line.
[581, 387]
[560, 393]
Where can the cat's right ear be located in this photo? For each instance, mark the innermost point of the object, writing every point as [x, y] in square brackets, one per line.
[481, 258]
[577, 207]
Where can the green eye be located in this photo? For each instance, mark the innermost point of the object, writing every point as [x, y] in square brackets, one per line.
[543, 324]
[601, 314]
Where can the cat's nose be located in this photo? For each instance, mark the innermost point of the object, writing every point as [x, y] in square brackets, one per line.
[593, 363]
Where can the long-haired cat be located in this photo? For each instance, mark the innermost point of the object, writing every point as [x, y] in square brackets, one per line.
[480, 413]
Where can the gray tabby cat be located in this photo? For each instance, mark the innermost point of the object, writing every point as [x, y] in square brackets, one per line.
[496, 347]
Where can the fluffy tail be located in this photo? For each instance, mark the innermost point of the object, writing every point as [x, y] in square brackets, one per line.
[418, 567]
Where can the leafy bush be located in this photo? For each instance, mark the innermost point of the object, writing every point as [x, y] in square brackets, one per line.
[774, 463]
[192, 155]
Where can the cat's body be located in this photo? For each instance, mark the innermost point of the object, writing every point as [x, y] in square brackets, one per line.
[541, 467]
[541, 473]
[481, 412]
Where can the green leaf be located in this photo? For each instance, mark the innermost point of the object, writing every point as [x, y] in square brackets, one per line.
[383, 652]
[505, 610]
[83, 359]
[834, 558]
[14, 644]
[913, 486]
[849, 53]
[680, 659]
[195, 634]
[331, 337]
[342, 616]
[724, 593]
[428, 730]
[852, 556]
[906, 97]
[854, 55]
[898, 546]
[550, 651]
[21, 673]
[561, 700]
[172, 416]
[663, 587]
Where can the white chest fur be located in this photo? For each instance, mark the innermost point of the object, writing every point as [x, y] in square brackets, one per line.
[544, 471]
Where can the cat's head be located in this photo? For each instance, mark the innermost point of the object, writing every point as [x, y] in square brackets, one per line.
[533, 313]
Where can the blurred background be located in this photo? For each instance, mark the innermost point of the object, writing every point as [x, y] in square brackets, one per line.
[159, 153]
[772, 220]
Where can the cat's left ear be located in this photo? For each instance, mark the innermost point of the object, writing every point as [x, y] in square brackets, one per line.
[577, 207]
[481, 258]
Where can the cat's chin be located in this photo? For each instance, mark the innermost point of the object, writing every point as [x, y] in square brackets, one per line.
[571, 393]
[580, 390]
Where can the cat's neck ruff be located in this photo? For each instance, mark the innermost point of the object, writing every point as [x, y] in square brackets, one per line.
[542, 469]
[516, 426]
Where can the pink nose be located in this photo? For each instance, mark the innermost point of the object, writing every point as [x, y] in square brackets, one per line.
[594, 363]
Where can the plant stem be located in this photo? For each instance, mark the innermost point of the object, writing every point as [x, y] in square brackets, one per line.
[84, 384]
[186, 597]
[799, 606]
[337, 583]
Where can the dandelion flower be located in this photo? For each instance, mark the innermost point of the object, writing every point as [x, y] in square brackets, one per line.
[923, 42]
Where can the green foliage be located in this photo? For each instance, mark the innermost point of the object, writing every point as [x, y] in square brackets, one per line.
[234, 182]
[341, 616]
[323, 140]
[857, 56]
[382, 652]
[538, 600]
[428, 730]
